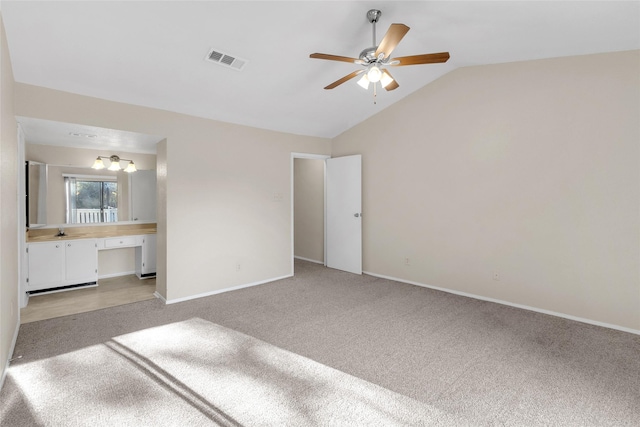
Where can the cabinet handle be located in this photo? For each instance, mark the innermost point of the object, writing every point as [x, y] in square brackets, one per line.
[57, 246]
[69, 245]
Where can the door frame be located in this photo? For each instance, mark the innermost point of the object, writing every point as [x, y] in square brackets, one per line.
[324, 184]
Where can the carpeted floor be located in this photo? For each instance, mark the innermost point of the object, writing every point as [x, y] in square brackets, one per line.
[469, 359]
[195, 372]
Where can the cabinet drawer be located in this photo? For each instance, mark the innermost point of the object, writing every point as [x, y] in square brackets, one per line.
[120, 242]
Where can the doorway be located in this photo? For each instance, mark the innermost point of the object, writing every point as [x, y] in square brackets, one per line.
[308, 208]
[326, 211]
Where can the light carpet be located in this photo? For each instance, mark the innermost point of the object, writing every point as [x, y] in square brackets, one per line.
[489, 363]
[198, 373]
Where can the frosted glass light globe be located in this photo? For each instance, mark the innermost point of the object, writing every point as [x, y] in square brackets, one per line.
[374, 74]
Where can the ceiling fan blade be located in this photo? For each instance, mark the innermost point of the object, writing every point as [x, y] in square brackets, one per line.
[344, 79]
[332, 57]
[428, 58]
[390, 40]
[394, 84]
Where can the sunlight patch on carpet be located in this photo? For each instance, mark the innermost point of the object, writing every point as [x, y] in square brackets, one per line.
[196, 372]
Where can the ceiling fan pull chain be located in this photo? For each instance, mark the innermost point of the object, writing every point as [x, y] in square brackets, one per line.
[375, 92]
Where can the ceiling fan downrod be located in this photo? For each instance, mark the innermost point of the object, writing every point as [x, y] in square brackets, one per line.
[373, 16]
[368, 55]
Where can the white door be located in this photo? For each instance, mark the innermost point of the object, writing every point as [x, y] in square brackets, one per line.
[344, 213]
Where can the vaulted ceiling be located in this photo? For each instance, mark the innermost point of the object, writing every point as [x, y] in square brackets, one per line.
[152, 53]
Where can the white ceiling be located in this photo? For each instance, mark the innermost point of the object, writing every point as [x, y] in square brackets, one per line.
[47, 132]
[151, 53]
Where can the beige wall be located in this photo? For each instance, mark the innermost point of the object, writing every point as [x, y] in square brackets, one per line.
[8, 207]
[308, 209]
[161, 241]
[116, 262]
[220, 204]
[528, 170]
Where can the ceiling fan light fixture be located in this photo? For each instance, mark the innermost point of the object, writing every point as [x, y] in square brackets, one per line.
[374, 74]
[385, 79]
[364, 82]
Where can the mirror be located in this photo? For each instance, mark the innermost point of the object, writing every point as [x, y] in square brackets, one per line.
[36, 185]
[61, 155]
[59, 195]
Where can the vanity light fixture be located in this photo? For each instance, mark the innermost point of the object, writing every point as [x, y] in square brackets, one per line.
[115, 164]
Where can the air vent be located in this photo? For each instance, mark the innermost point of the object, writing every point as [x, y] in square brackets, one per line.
[226, 60]
[82, 135]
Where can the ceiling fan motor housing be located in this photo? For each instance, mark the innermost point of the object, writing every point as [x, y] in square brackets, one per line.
[369, 54]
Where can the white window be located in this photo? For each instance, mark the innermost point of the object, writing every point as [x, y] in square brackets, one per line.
[91, 199]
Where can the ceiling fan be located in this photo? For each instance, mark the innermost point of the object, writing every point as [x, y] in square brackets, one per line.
[375, 59]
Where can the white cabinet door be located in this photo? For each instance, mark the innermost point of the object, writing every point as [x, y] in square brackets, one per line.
[146, 256]
[150, 253]
[46, 265]
[81, 261]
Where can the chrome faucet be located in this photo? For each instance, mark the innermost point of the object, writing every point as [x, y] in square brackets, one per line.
[60, 231]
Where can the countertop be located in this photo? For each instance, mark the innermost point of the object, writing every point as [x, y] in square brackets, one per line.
[95, 232]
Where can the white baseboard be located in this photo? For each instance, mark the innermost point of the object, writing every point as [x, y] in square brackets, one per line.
[123, 273]
[310, 260]
[24, 298]
[524, 307]
[219, 291]
[160, 297]
[10, 355]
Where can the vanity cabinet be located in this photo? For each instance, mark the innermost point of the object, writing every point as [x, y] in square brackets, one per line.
[61, 263]
[68, 261]
[145, 247]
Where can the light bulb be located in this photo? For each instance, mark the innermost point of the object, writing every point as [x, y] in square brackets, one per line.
[374, 74]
